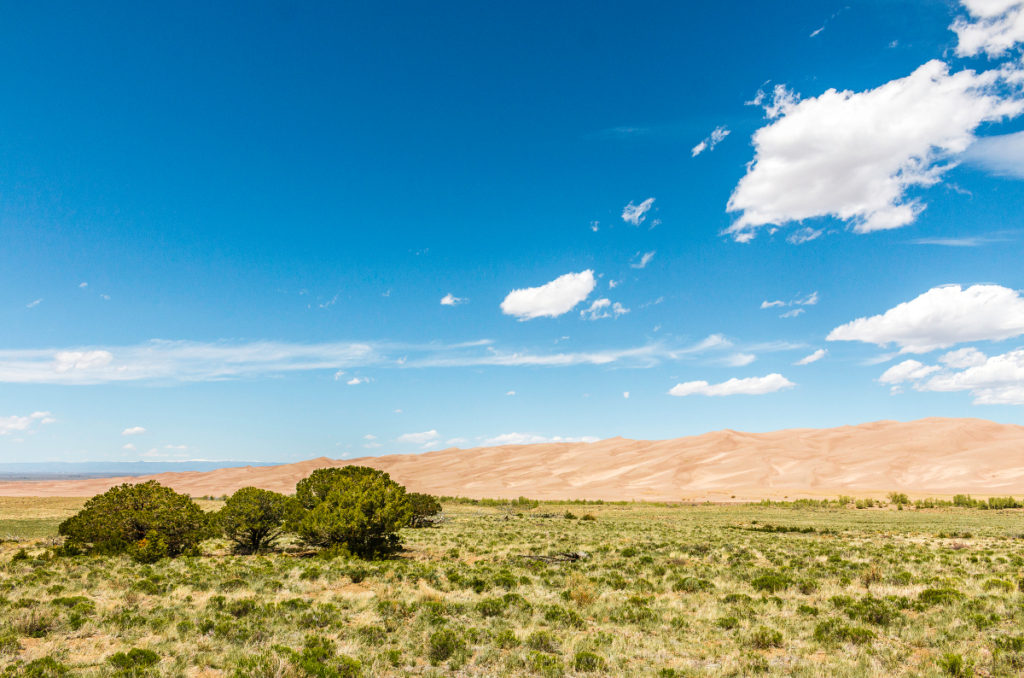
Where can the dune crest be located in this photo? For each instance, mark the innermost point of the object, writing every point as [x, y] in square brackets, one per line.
[934, 456]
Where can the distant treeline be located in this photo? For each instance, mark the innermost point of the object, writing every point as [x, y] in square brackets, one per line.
[900, 500]
[897, 499]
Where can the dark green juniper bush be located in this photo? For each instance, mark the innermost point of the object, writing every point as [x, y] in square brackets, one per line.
[254, 519]
[146, 520]
[425, 508]
[356, 508]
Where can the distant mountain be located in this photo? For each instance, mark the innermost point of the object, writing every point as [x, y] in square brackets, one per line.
[107, 469]
[925, 457]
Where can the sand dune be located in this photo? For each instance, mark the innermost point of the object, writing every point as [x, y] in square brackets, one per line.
[928, 457]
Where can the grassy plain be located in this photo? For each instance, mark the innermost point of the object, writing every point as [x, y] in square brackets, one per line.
[664, 591]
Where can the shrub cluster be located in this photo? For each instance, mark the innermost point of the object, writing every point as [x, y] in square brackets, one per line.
[353, 508]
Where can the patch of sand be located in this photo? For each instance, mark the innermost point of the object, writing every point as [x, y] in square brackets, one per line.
[928, 457]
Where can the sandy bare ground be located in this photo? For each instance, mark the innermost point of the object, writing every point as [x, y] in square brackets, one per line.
[928, 457]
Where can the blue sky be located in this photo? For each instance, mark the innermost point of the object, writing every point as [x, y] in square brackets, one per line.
[233, 227]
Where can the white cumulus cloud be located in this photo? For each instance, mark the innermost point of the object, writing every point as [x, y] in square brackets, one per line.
[635, 214]
[451, 300]
[991, 380]
[908, 370]
[750, 386]
[999, 380]
[550, 300]
[24, 424]
[941, 317]
[854, 155]
[133, 431]
[421, 438]
[994, 27]
[532, 438]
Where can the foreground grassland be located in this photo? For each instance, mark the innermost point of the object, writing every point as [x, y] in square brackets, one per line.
[664, 591]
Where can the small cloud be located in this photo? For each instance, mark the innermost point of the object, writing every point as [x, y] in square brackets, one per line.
[532, 438]
[710, 141]
[133, 431]
[635, 214]
[594, 226]
[369, 436]
[175, 447]
[603, 308]
[805, 234]
[452, 300]
[749, 386]
[128, 446]
[816, 32]
[625, 394]
[645, 259]
[422, 438]
[331, 302]
[24, 424]
[355, 381]
[105, 297]
[812, 358]
[456, 441]
[810, 300]
[908, 370]
[510, 393]
[740, 359]
[958, 242]
[83, 285]
[550, 300]
[339, 374]
[33, 304]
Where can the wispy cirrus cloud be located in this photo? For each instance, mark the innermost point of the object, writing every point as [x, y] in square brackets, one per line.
[642, 259]
[966, 241]
[709, 142]
[163, 361]
[812, 357]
